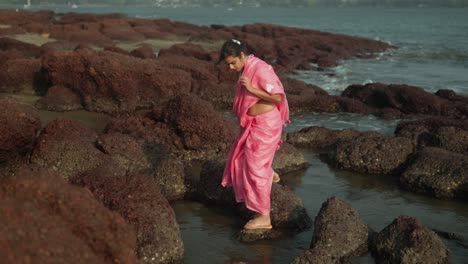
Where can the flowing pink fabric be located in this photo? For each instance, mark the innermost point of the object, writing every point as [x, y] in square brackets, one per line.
[248, 167]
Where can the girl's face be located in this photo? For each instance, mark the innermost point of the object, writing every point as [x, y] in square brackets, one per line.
[236, 63]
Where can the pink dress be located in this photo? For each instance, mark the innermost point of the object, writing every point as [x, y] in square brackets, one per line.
[248, 167]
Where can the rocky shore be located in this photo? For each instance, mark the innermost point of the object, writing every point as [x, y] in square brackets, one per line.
[109, 192]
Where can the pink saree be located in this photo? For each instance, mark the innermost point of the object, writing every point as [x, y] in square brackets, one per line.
[248, 167]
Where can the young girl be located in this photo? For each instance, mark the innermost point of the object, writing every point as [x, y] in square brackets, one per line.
[262, 109]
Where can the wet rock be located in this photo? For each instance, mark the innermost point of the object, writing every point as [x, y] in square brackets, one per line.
[453, 139]
[209, 190]
[67, 147]
[259, 234]
[437, 172]
[19, 74]
[20, 124]
[425, 132]
[145, 51]
[324, 138]
[339, 232]
[405, 98]
[461, 102]
[113, 83]
[287, 211]
[41, 216]
[134, 155]
[138, 200]
[375, 155]
[407, 240]
[314, 256]
[288, 159]
[59, 99]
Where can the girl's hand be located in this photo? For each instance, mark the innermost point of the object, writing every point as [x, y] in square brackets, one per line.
[244, 80]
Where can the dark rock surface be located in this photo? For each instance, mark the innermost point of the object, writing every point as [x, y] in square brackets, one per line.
[447, 133]
[324, 138]
[404, 98]
[375, 155]
[339, 232]
[407, 240]
[437, 172]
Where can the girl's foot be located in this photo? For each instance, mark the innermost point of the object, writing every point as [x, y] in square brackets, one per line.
[260, 222]
[276, 177]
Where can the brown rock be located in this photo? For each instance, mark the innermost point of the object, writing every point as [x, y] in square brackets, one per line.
[151, 159]
[114, 83]
[41, 216]
[20, 124]
[68, 147]
[138, 200]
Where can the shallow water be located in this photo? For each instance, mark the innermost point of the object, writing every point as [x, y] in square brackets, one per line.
[211, 232]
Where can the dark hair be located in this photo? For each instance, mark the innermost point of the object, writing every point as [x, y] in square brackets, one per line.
[232, 47]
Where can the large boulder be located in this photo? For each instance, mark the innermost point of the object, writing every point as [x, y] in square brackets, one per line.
[437, 172]
[450, 134]
[405, 98]
[134, 155]
[374, 155]
[324, 138]
[67, 147]
[43, 219]
[339, 232]
[406, 240]
[138, 199]
[288, 159]
[204, 132]
[114, 83]
[20, 124]
[17, 75]
[59, 99]
[453, 139]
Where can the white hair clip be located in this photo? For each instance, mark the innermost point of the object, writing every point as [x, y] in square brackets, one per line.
[236, 41]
